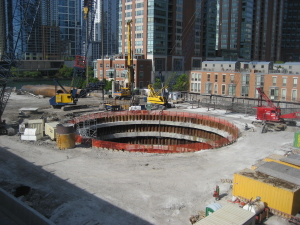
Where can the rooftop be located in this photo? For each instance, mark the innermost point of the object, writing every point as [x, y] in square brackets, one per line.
[292, 159]
[281, 171]
[228, 214]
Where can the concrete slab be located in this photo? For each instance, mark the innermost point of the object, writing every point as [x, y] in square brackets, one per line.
[28, 109]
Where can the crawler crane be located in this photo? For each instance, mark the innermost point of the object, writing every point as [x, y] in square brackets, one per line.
[272, 115]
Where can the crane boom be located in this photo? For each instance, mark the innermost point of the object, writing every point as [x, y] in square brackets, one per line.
[266, 98]
[129, 58]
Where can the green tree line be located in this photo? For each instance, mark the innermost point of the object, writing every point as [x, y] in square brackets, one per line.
[174, 82]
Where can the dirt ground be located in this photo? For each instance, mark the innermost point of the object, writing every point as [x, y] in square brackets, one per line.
[96, 186]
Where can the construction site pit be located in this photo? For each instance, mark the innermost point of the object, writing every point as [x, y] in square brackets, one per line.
[153, 131]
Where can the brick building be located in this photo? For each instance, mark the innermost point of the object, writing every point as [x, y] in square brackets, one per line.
[240, 79]
[116, 69]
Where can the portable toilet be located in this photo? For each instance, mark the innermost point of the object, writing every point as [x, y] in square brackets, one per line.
[211, 208]
[297, 139]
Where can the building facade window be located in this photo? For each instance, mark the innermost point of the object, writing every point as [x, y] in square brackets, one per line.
[274, 81]
[208, 87]
[141, 74]
[232, 78]
[193, 76]
[215, 89]
[245, 91]
[159, 64]
[208, 77]
[224, 78]
[274, 92]
[294, 95]
[216, 77]
[284, 81]
[283, 94]
[295, 82]
[231, 89]
[223, 89]
[141, 84]
[245, 79]
[259, 81]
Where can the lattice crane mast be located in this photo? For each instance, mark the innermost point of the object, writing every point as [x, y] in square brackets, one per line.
[18, 29]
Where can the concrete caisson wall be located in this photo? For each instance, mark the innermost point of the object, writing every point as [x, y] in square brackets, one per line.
[217, 132]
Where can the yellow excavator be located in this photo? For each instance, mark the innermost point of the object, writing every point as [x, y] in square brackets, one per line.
[155, 97]
[126, 92]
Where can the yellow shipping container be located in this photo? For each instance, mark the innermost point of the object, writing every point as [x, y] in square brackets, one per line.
[275, 193]
[280, 159]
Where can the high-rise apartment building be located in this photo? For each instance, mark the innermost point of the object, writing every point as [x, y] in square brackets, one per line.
[108, 19]
[67, 15]
[267, 30]
[249, 30]
[235, 29]
[290, 46]
[164, 31]
[20, 20]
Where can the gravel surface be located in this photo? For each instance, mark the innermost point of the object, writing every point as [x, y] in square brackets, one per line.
[95, 186]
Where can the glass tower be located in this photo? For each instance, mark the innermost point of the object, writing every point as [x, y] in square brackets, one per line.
[291, 31]
[67, 15]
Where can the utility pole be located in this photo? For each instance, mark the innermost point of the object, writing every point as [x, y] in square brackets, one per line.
[102, 41]
[86, 58]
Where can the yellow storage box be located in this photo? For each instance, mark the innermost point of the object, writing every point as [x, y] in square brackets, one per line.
[276, 193]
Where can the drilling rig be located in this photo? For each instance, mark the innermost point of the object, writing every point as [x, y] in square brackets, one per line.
[126, 92]
[19, 26]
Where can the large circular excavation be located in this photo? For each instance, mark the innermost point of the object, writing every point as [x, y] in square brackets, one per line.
[154, 131]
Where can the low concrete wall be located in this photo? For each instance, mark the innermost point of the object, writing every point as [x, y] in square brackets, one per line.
[19, 212]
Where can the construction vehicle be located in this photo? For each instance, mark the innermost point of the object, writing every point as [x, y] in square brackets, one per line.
[271, 115]
[67, 99]
[156, 98]
[126, 91]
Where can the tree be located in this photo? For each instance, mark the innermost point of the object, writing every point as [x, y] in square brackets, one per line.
[182, 83]
[32, 74]
[90, 80]
[171, 81]
[15, 71]
[65, 72]
[108, 85]
[157, 84]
